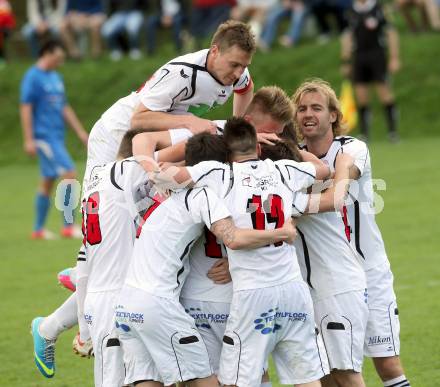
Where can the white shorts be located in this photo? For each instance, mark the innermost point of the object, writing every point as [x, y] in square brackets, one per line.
[383, 327]
[277, 320]
[210, 319]
[342, 321]
[164, 335]
[99, 312]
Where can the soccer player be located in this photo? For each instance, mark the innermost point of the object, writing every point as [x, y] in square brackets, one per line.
[153, 341]
[329, 264]
[314, 101]
[44, 111]
[271, 308]
[365, 58]
[175, 97]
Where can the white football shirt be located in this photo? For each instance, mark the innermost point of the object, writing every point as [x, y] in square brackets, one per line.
[181, 86]
[329, 263]
[110, 207]
[260, 195]
[203, 255]
[366, 237]
[159, 263]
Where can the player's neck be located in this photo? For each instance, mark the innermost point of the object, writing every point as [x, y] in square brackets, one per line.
[246, 157]
[319, 146]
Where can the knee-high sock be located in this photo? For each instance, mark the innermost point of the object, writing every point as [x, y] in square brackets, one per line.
[42, 204]
[65, 317]
[364, 118]
[391, 116]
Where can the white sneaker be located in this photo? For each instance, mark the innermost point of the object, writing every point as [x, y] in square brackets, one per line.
[72, 231]
[135, 54]
[116, 55]
[83, 349]
[44, 235]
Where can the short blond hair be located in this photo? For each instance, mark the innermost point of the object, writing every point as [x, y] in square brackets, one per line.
[317, 85]
[274, 101]
[234, 33]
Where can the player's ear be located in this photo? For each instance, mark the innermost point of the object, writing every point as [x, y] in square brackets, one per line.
[247, 118]
[214, 50]
[333, 116]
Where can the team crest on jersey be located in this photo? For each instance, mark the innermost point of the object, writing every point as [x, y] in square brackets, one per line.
[262, 183]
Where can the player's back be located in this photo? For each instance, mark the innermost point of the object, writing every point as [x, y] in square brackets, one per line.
[260, 198]
[109, 208]
[160, 256]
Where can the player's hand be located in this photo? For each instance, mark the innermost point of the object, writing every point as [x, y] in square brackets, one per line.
[30, 148]
[267, 138]
[199, 125]
[344, 160]
[219, 272]
[288, 230]
[394, 65]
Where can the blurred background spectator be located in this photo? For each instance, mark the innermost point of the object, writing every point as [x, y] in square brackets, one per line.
[7, 23]
[169, 14]
[44, 19]
[83, 16]
[126, 17]
[253, 12]
[370, 52]
[428, 14]
[324, 11]
[206, 15]
[293, 9]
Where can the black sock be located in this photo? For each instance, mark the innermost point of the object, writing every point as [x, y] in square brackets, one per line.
[364, 118]
[391, 116]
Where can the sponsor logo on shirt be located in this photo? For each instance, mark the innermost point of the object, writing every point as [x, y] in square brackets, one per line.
[129, 317]
[88, 318]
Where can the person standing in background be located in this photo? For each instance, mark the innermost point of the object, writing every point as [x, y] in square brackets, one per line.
[43, 112]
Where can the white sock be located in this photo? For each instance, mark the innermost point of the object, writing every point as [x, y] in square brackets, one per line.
[266, 384]
[400, 381]
[65, 317]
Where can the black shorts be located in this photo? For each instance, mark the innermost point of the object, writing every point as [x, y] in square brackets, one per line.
[370, 67]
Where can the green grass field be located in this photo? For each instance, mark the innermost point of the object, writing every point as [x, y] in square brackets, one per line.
[409, 224]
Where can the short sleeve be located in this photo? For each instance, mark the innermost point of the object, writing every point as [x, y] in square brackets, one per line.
[168, 86]
[205, 206]
[244, 83]
[296, 176]
[359, 151]
[212, 174]
[28, 89]
[299, 204]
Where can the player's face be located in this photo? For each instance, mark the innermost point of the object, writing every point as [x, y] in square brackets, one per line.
[313, 115]
[57, 58]
[228, 65]
[264, 123]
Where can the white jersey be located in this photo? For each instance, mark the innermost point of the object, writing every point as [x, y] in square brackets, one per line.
[110, 209]
[260, 195]
[181, 86]
[365, 234]
[159, 262]
[329, 263]
[203, 255]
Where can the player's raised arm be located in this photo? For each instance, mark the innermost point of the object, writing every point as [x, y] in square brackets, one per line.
[157, 121]
[322, 170]
[333, 198]
[238, 238]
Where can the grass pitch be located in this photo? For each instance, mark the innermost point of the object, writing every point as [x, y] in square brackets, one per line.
[409, 223]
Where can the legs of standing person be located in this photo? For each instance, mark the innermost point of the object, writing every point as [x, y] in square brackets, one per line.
[95, 22]
[67, 32]
[133, 26]
[111, 29]
[152, 25]
[270, 28]
[297, 19]
[363, 99]
[30, 34]
[177, 28]
[387, 99]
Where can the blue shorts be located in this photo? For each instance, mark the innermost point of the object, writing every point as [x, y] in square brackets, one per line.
[53, 158]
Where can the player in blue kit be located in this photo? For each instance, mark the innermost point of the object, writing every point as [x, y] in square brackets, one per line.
[44, 111]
